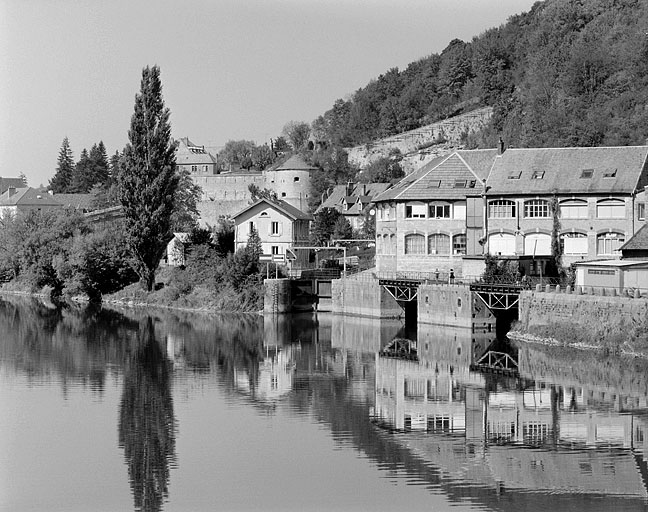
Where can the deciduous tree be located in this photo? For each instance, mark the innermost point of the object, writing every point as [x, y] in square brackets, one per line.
[148, 182]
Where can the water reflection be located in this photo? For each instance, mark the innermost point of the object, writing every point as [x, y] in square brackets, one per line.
[508, 430]
[564, 429]
[146, 420]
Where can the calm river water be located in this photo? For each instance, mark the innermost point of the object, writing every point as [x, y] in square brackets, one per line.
[149, 410]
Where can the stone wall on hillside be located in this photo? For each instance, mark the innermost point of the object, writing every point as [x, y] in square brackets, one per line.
[448, 132]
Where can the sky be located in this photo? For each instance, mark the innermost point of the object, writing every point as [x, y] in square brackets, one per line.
[230, 69]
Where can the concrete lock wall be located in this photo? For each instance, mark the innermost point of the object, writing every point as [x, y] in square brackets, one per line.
[614, 323]
[452, 306]
[277, 296]
[363, 298]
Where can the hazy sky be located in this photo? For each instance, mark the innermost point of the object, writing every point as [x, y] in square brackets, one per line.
[231, 69]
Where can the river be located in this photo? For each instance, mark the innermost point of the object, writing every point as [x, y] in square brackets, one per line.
[109, 410]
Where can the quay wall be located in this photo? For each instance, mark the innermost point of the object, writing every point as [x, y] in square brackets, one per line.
[454, 306]
[363, 298]
[615, 324]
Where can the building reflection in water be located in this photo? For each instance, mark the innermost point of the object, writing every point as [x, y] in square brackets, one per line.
[146, 421]
[510, 431]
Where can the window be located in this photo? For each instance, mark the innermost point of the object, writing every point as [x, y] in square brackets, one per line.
[275, 228]
[274, 249]
[536, 208]
[537, 175]
[587, 174]
[538, 244]
[250, 227]
[575, 209]
[460, 184]
[263, 214]
[296, 179]
[283, 194]
[415, 211]
[610, 209]
[440, 211]
[414, 244]
[609, 243]
[194, 169]
[439, 244]
[434, 184]
[459, 211]
[501, 209]
[610, 174]
[641, 211]
[515, 175]
[501, 243]
[459, 244]
[574, 243]
[206, 168]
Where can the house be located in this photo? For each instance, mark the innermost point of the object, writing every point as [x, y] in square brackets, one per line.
[455, 208]
[351, 200]
[595, 190]
[26, 199]
[432, 219]
[176, 250]
[281, 227]
[637, 247]
[194, 159]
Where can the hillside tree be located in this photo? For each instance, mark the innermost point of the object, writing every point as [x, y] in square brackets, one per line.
[62, 179]
[147, 181]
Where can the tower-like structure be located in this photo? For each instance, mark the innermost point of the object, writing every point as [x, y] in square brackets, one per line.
[291, 181]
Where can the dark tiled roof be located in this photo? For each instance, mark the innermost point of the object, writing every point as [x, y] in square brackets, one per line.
[365, 192]
[5, 183]
[610, 170]
[443, 178]
[283, 206]
[28, 197]
[638, 242]
[295, 163]
[190, 154]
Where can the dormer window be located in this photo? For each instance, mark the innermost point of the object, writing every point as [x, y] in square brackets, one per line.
[515, 175]
[587, 174]
[610, 174]
[537, 175]
[434, 184]
[460, 184]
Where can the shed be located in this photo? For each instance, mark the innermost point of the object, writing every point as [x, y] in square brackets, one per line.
[613, 274]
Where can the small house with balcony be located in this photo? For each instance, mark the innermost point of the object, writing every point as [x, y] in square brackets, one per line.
[280, 226]
[590, 193]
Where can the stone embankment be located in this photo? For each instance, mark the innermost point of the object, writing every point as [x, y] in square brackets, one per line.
[613, 324]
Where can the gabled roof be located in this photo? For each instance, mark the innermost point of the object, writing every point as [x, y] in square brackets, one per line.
[365, 192]
[188, 153]
[279, 205]
[442, 177]
[28, 197]
[5, 183]
[638, 242]
[598, 170]
[295, 163]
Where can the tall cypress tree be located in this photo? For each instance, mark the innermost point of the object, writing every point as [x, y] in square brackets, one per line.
[147, 180]
[62, 179]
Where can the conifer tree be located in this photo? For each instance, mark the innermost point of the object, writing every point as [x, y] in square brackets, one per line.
[82, 177]
[147, 181]
[62, 179]
[99, 159]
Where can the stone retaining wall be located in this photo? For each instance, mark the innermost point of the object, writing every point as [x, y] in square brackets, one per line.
[612, 323]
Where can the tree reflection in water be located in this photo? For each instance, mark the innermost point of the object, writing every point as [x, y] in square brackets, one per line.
[146, 421]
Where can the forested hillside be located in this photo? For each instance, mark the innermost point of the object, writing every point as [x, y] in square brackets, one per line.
[566, 73]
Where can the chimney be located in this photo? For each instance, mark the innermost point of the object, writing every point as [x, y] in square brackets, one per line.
[501, 147]
[11, 191]
[349, 188]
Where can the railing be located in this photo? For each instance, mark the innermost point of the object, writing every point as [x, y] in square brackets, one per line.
[498, 361]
